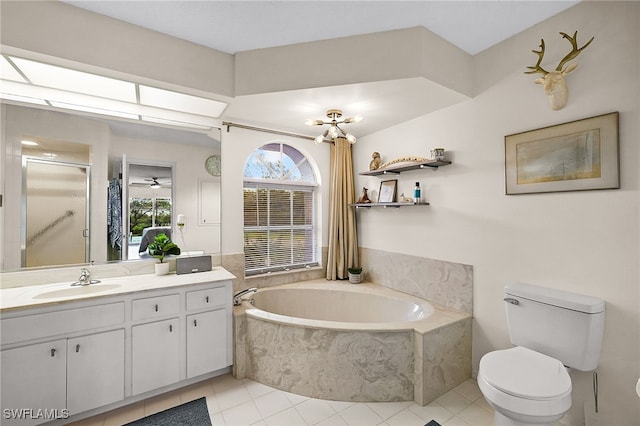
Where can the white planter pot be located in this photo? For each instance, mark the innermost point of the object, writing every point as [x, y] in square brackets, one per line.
[162, 268]
[355, 278]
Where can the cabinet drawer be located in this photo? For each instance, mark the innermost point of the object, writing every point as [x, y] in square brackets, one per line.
[207, 298]
[61, 322]
[155, 307]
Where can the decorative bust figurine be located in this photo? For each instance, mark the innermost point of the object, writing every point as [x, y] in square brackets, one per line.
[365, 198]
[375, 163]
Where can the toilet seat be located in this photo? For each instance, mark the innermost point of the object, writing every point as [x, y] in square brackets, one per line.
[525, 383]
[524, 373]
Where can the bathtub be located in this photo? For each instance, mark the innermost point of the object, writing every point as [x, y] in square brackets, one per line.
[346, 342]
[330, 304]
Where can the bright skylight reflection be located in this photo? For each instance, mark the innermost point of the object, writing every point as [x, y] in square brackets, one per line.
[178, 101]
[76, 81]
[8, 72]
[94, 110]
[174, 122]
[17, 98]
[80, 91]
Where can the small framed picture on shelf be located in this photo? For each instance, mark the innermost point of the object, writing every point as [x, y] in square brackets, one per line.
[388, 191]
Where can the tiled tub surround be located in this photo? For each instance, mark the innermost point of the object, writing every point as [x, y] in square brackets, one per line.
[294, 345]
[447, 283]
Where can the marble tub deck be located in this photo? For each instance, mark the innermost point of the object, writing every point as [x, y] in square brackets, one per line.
[406, 361]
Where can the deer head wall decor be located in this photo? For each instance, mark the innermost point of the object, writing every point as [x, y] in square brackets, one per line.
[553, 82]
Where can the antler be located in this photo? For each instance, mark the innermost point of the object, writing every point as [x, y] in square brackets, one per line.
[537, 68]
[575, 51]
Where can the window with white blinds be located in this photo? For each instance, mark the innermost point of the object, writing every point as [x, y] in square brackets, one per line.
[279, 211]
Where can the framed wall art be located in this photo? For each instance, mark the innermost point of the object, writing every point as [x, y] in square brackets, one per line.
[387, 191]
[575, 156]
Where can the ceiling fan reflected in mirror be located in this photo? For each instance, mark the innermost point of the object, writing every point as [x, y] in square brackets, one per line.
[154, 183]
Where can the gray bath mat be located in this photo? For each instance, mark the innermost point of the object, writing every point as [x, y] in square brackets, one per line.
[194, 413]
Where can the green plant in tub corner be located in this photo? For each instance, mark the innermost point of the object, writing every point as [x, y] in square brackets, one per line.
[163, 246]
[355, 274]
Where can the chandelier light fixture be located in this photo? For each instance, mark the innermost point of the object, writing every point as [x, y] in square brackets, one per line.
[335, 116]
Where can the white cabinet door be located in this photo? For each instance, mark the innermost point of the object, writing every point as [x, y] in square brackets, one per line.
[156, 355]
[33, 377]
[206, 342]
[95, 370]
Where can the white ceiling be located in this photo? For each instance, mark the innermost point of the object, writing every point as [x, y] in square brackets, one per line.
[233, 26]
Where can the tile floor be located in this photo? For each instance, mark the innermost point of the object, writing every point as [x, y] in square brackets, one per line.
[244, 402]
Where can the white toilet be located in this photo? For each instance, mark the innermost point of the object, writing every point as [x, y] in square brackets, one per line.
[529, 384]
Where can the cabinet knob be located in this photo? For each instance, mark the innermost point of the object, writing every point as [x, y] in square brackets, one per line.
[77, 348]
[53, 352]
[170, 328]
[206, 299]
[195, 323]
[156, 308]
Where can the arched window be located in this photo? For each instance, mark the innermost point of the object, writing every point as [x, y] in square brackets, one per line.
[279, 210]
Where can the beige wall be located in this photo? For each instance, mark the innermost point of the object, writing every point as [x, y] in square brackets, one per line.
[586, 242]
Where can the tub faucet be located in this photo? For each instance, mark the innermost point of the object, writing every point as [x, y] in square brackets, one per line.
[237, 298]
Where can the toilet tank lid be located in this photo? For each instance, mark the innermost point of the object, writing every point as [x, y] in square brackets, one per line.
[560, 298]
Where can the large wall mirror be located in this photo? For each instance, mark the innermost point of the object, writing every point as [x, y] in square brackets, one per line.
[71, 180]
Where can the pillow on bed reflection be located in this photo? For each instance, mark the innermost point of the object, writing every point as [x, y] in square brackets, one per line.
[150, 233]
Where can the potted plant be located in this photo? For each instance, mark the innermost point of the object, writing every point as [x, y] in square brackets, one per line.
[355, 275]
[160, 247]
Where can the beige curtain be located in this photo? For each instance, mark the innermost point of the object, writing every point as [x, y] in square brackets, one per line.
[343, 239]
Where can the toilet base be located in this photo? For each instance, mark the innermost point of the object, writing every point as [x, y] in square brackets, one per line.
[502, 420]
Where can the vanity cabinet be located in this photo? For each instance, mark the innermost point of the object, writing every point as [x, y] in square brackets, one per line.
[155, 355]
[87, 356]
[207, 332]
[206, 342]
[78, 374]
[40, 381]
[95, 370]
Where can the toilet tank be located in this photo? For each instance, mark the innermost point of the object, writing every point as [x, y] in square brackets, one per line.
[566, 326]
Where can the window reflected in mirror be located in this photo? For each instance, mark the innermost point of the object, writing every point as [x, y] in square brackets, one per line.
[150, 206]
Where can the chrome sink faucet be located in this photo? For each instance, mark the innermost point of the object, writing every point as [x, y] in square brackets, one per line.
[85, 277]
[237, 298]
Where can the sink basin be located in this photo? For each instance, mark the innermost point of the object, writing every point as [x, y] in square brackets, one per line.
[76, 291]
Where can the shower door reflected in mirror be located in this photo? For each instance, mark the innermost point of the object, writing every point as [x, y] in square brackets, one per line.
[55, 213]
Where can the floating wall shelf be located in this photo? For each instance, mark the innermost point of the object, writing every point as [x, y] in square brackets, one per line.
[386, 205]
[430, 164]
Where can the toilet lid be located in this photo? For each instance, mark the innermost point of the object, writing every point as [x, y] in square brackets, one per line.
[525, 373]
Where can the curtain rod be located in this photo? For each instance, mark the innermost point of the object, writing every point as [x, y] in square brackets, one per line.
[262, 129]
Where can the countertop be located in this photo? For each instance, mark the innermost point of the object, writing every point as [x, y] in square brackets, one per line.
[47, 294]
